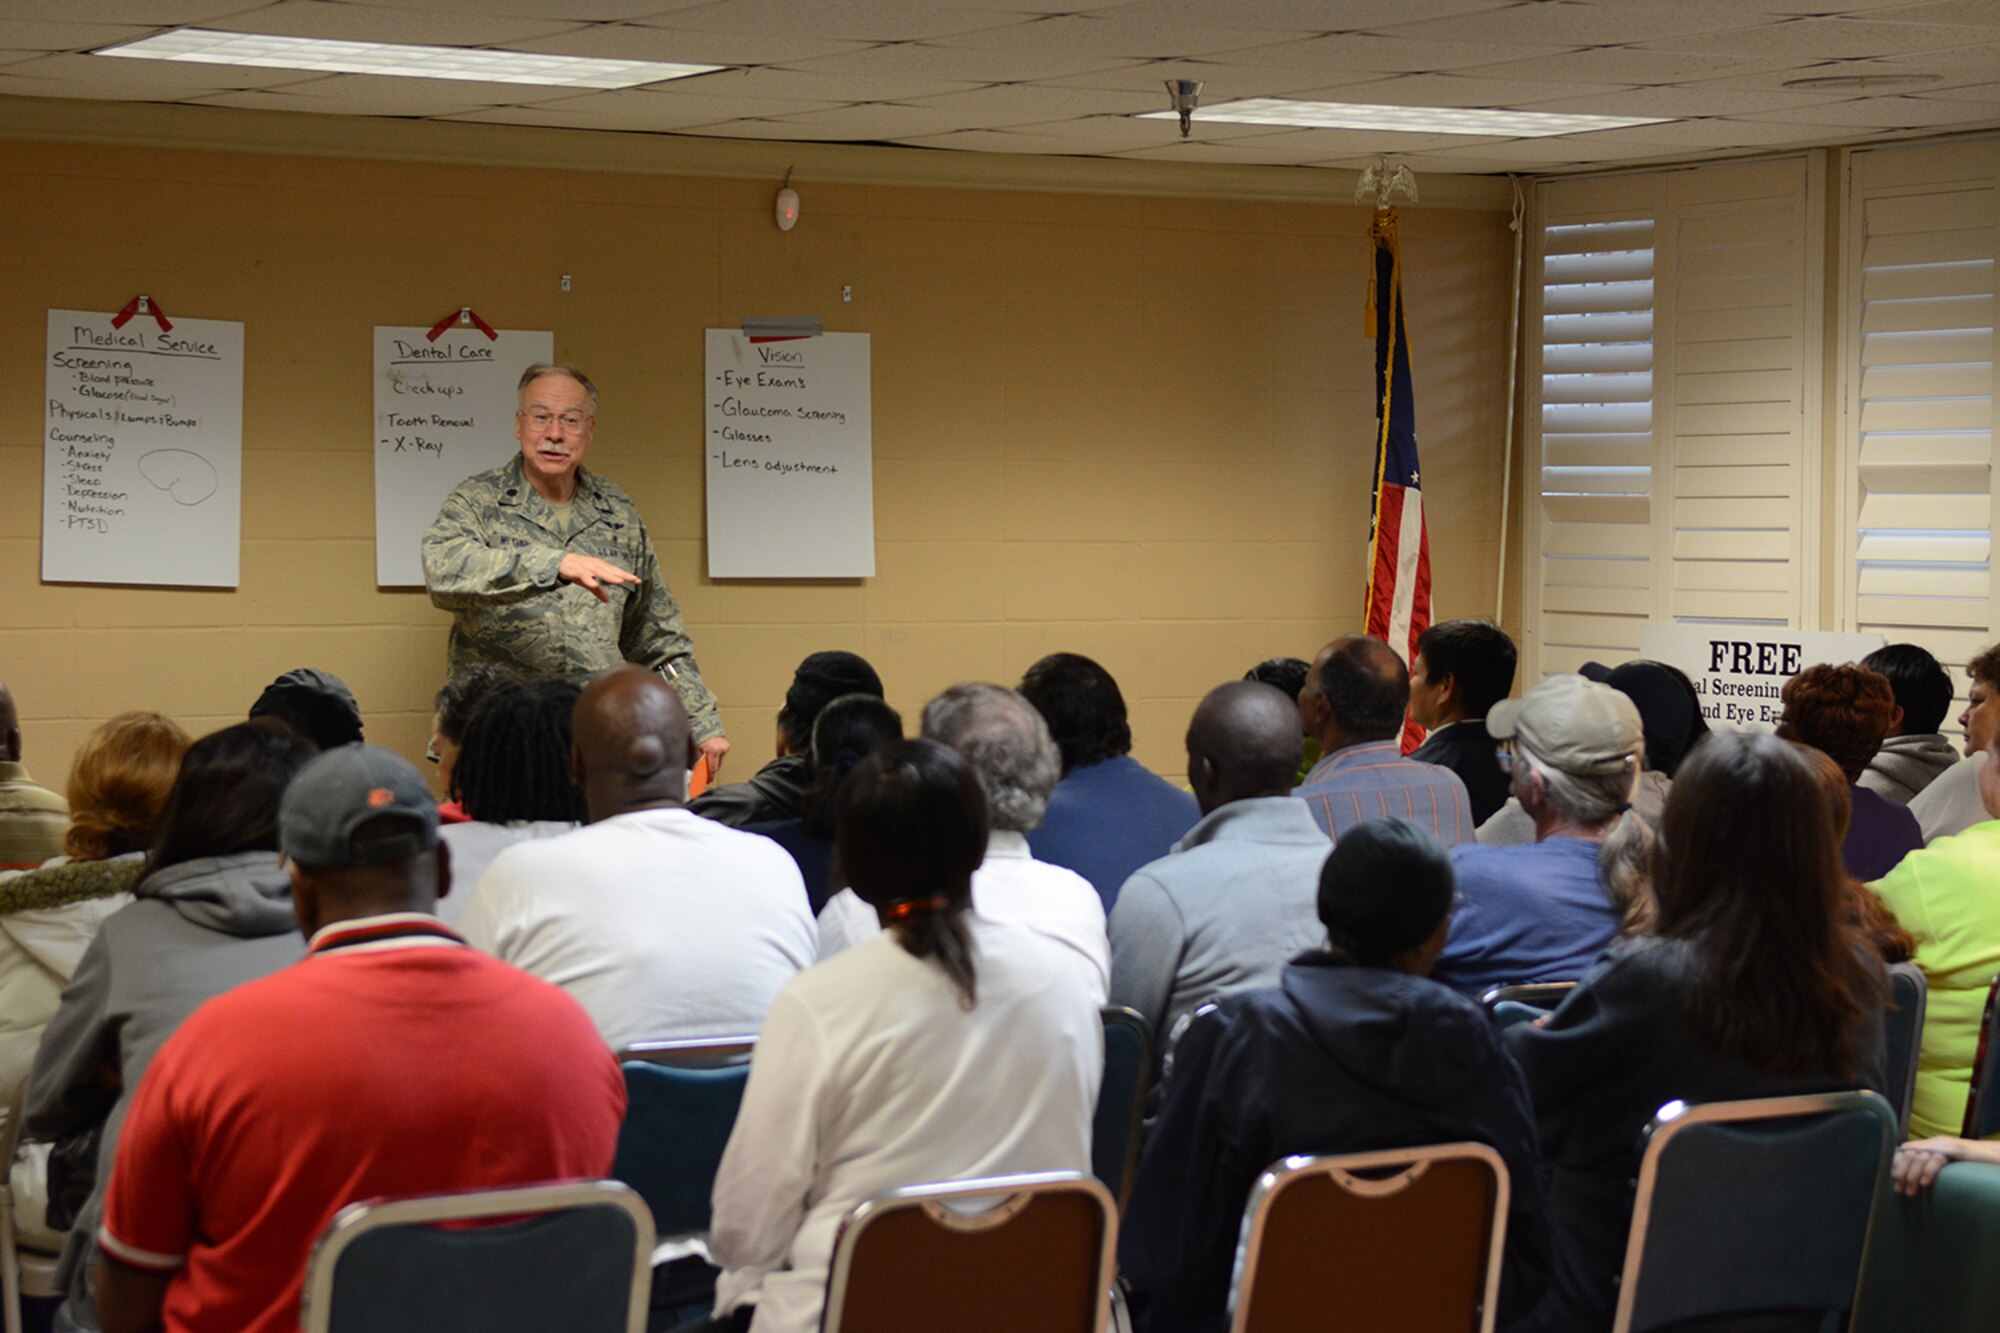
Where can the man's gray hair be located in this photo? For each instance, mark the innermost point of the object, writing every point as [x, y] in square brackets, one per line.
[1008, 746]
[1583, 800]
[541, 368]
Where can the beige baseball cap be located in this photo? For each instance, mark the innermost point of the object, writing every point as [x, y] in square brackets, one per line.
[1573, 724]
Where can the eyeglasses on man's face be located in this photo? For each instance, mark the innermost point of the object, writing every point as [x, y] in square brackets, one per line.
[542, 418]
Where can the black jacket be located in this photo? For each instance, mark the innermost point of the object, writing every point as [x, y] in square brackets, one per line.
[775, 791]
[1338, 1058]
[1466, 749]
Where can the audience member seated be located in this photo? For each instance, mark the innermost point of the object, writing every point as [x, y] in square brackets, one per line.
[1944, 895]
[1915, 751]
[394, 1061]
[213, 910]
[1352, 1051]
[1109, 815]
[1353, 702]
[1544, 912]
[1462, 668]
[1868, 913]
[1005, 743]
[1952, 803]
[1235, 900]
[1289, 675]
[660, 923]
[117, 783]
[315, 704]
[1670, 713]
[1845, 711]
[847, 731]
[514, 778]
[949, 1047]
[32, 818]
[1754, 985]
[778, 789]
[456, 702]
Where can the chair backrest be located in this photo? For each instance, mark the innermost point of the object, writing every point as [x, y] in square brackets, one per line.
[1037, 1254]
[1982, 1099]
[1931, 1265]
[1909, 996]
[1544, 995]
[577, 1257]
[1121, 1098]
[693, 1052]
[1770, 1201]
[677, 1122]
[1408, 1239]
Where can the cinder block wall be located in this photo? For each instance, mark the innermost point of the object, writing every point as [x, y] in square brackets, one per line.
[1134, 427]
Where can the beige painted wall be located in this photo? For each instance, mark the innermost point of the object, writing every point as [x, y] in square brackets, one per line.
[1138, 428]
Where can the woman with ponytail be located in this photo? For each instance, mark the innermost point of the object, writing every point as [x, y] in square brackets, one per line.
[1755, 981]
[1354, 1050]
[948, 1047]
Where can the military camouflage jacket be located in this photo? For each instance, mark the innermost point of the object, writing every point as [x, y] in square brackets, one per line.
[490, 558]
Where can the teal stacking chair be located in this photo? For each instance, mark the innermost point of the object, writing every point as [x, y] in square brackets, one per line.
[575, 1257]
[1909, 998]
[1755, 1208]
[1121, 1099]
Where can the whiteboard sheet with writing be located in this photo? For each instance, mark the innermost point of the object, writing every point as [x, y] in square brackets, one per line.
[443, 411]
[790, 446]
[142, 476]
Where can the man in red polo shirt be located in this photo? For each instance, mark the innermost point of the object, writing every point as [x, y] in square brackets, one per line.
[392, 1060]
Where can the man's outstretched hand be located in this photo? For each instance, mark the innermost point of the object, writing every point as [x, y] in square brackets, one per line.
[587, 571]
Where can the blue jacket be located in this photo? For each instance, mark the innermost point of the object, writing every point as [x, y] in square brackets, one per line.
[1107, 819]
[1338, 1058]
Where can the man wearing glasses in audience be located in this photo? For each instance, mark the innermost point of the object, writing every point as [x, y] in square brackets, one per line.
[548, 569]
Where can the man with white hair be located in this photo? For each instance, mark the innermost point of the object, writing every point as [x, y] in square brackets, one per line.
[1544, 911]
[1008, 747]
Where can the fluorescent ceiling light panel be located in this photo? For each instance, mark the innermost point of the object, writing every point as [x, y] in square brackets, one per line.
[208, 47]
[1418, 119]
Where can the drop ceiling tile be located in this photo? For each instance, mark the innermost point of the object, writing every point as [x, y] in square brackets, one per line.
[1692, 99]
[844, 20]
[800, 85]
[651, 109]
[1783, 8]
[1366, 53]
[1567, 23]
[1971, 13]
[1002, 105]
[1482, 163]
[1624, 64]
[152, 80]
[1819, 38]
[1239, 154]
[1885, 113]
[1220, 83]
[1002, 141]
[635, 41]
[1714, 133]
[1456, 90]
[142, 13]
[1983, 56]
[1302, 15]
[1977, 93]
[927, 61]
[38, 35]
[768, 130]
[1108, 134]
[382, 23]
[884, 120]
[575, 11]
[1138, 39]
[1775, 80]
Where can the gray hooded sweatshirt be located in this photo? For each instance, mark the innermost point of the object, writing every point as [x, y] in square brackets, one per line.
[193, 931]
[1905, 765]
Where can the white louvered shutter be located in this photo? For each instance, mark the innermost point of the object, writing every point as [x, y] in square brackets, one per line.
[1678, 316]
[1917, 358]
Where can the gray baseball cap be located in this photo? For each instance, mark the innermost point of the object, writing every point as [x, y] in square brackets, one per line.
[1573, 724]
[344, 788]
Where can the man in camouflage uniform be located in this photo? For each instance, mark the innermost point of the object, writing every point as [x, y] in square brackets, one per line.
[500, 552]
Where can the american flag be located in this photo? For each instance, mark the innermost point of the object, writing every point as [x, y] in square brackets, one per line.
[1399, 565]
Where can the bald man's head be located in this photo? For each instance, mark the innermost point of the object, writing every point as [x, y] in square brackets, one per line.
[1243, 742]
[632, 745]
[10, 726]
[1357, 691]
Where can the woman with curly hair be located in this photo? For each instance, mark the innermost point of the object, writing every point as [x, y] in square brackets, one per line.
[1844, 712]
